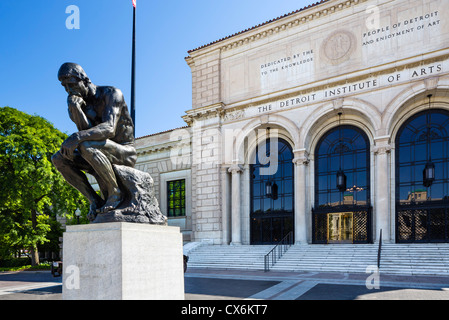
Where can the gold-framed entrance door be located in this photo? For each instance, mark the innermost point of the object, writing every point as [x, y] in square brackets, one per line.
[339, 227]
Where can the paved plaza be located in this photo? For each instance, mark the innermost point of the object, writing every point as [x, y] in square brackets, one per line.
[206, 284]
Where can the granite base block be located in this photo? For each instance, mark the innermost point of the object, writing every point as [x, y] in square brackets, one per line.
[123, 261]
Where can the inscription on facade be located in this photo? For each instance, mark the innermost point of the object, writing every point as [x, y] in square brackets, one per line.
[401, 28]
[351, 88]
[294, 61]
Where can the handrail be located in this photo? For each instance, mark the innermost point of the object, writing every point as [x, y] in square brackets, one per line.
[379, 250]
[277, 252]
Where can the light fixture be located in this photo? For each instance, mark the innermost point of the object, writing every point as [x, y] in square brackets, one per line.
[429, 170]
[355, 189]
[429, 174]
[78, 214]
[341, 181]
[268, 189]
[271, 190]
[274, 191]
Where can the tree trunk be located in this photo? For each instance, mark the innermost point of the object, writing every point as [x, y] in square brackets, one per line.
[34, 250]
[34, 256]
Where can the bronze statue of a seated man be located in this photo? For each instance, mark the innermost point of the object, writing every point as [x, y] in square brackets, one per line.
[105, 138]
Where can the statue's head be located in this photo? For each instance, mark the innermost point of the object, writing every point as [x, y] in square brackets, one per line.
[74, 79]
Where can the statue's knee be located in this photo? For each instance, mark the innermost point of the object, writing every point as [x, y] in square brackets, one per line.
[85, 148]
[89, 151]
[131, 161]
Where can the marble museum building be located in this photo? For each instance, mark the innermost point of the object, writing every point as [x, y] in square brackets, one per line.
[330, 123]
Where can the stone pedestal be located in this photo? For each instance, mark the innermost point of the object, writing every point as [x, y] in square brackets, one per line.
[123, 261]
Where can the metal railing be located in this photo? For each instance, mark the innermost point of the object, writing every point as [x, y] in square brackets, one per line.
[379, 250]
[277, 252]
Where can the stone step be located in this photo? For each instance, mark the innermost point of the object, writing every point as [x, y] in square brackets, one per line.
[411, 259]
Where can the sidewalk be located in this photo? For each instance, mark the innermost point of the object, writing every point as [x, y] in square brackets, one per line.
[207, 284]
[29, 285]
[323, 286]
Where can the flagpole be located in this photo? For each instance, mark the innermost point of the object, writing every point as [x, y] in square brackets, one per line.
[133, 73]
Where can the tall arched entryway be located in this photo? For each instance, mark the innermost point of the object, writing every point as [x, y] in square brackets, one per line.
[422, 178]
[342, 210]
[271, 188]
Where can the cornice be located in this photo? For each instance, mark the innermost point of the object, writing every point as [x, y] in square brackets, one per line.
[310, 13]
[162, 147]
[215, 110]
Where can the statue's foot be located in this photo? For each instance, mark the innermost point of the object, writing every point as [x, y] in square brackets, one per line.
[111, 203]
[93, 211]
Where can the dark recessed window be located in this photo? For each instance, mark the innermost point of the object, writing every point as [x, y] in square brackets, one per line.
[176, 198]
[344, 149]
[272, 200]
[342, 212]
[422, 208]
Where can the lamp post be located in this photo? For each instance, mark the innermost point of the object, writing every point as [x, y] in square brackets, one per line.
[78, 214]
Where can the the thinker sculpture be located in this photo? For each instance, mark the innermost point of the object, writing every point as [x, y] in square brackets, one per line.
[104, 147]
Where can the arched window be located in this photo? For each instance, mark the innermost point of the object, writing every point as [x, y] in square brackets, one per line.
[342, 187]
[422, 146]
[272, 201]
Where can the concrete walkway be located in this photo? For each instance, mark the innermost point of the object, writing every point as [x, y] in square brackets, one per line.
[206, 284]
[328, 286]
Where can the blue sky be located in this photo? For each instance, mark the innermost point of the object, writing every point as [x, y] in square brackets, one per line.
[35, 42]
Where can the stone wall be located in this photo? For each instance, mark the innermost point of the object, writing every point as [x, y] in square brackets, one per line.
[167, 156]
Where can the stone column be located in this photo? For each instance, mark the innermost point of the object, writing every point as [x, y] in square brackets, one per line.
[301, 162]
[226, 205]
[236, 233]
[382, 190]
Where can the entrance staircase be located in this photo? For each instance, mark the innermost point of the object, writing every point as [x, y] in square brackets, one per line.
[228, 257]
[415, 259]
[403, 259]
[328, 258]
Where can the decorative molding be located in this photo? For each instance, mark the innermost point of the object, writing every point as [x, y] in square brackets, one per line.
[235, 168]
[338, 103]
[304, 161]
[215, 110]
[380, 150]
[234, 115]
[301, 157]
[294, 21]
[338, 46]
[431, 83]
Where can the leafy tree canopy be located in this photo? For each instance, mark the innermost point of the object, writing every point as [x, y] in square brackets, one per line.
[29, 183]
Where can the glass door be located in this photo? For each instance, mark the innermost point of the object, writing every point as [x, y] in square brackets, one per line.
[340, 227]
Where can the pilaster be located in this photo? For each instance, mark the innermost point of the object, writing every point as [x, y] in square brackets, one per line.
[382, 151]
[236, 233]
[301, 162]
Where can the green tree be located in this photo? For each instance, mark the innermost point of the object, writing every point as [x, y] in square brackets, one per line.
[30, 185]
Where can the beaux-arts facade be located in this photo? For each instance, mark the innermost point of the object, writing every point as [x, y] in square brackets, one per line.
[331, 123]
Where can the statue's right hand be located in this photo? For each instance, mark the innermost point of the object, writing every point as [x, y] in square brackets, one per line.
[77, 112]
[75, 101]
[68, 146]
